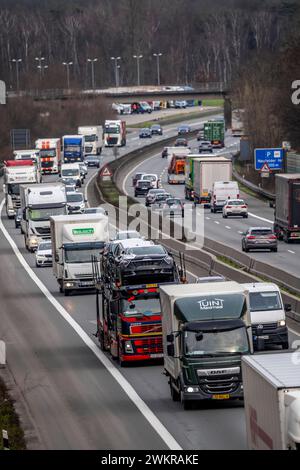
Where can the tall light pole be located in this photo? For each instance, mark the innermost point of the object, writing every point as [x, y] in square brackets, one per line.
[115, 59]
[92, 62]
[158, 68]
[17, 62]
[68, 64]
[138, 58]
[40, 60]
[42, 68]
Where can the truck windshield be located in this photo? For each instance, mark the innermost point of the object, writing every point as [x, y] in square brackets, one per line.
[80, 255]
[38, 215]
[13, 189]
[265, 301]
[146, 307]
[90, 138]
[47, 153]
[112, 130]
[220, 342]
[70, 172]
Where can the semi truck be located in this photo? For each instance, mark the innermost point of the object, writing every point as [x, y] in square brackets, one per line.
[75, 240]
[17, 172]
[272, 400]
[115, 133]
[176, 169]
[34, 156]
[50, 155]
[287, 208]
[237, 126]
[93, 136]
[200, 175]
[214, 131]
[206, 331]
[39, 202]
[73, 148]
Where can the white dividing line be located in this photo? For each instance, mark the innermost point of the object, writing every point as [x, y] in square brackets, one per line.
[229, 228]
[241, 233]
[207, 218]
[115, 373]
[261, 218]
[216, 222]
[292, 252]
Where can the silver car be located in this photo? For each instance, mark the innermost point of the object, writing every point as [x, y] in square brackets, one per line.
[173, 207]
[43, 254]
[259, 238]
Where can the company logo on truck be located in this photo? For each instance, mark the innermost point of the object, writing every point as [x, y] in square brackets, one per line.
[211, 304]
[83, 231]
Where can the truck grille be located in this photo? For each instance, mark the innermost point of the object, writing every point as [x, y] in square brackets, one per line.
[112, 141]
[217, 386]
[88, 149]
[43, 230]
[142, 329]
[267, 327]
[149, 346]
[84, 276]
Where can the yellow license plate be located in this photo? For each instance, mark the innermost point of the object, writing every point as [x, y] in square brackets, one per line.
[150, 286]
[220, 397]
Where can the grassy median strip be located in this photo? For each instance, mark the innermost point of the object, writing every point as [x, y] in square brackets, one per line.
[10, 421]
[178, 118]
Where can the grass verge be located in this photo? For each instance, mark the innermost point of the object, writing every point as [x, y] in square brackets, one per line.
[9, 421]
[175, 118]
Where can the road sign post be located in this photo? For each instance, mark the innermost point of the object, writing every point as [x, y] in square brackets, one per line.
[106, 174]
[5, 439]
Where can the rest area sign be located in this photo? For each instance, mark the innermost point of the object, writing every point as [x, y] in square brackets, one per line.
[272, 157]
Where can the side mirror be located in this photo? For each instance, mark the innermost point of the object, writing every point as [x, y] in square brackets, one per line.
[171, 350]
[170, 338]
[24, 214]
[288, 307]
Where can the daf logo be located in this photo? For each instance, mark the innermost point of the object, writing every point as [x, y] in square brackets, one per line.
[211, 304]
[211, 372]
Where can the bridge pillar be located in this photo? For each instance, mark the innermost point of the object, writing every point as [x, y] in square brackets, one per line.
[227, 112]
[2, 92]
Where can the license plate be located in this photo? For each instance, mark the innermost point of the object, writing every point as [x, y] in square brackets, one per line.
[150, 286]
[220, 397]
[264, 337]
[87, 283]
[156, 356]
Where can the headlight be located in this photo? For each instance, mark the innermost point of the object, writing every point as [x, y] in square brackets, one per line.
[168, 260]
[128, 347]
[192, 389]
[281, 323]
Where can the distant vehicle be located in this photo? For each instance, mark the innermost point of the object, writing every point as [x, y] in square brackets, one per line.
[145, 133]
[71, 170]
[164, 153]
[180, 104]
[141, 108]
[83, 170]
[235, 207]
[259, 238]
[287, 207]
[150, 198]
[159, 201]
[155, 181]
[173, 207]
[181, 142]
[184, 129]
[50, 154]
[95, 210]
[92, 161]
[205, 146]
[114, 133]
[156, 129]
[93, 136]
[70, 188]
[73, 148]
[200, 135]
[75, 203]
[127, 235]
[18, 217]
[70, 182]
[142, 187]
[43, 254]
[223, 191]
[214, 131]
[202, 280]
[136, 178]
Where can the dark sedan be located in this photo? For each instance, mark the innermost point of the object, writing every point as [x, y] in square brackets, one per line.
[92, 160]
[156, 129]
[142, 187]
[145, 133]
[182, 130]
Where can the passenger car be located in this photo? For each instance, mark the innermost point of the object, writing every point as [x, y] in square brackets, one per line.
[181, 143]
[180, 104]
[95, 210]
[205, 146]
[70, 188]
[173, 207]
[18, 217]
[145, 133]
[150, 198]
[43, 254]
[136, 178]
[92, 161]
[156, 129]
[154, 180]
[259, 238]
[235, 207]
[75, 203]
[142, 187]
[183, 129]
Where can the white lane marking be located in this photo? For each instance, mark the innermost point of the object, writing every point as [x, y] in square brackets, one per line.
[87, 185]
[207, 218]
[292, 252]
[229, 228]
[261, 218]
[124, 384]
[132, 171]
[216, 222]
[241, 233]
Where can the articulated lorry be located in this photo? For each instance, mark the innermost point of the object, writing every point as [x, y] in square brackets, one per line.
[114, 133]
[73, 148]
[272, 400]
[39, 202]
[287, 209]
[17, 172]
[214, 131]
[93, 137]
[206, 331]
[237, 126]
[200, 175]
[75, 240]
[50, 155]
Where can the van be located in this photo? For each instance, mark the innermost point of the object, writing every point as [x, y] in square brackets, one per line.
[267, 312]
[71, 171]
[221, 192]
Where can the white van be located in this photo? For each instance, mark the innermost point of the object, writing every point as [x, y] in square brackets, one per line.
[268, 318]
[71, 171]
[221, 192]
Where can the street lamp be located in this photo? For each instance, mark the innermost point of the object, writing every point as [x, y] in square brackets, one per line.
[138, 57]
[42, 68]
[68, 64]
[158, 69]
[92, 61]
[115, 59]
[17, 62]
[40, 60]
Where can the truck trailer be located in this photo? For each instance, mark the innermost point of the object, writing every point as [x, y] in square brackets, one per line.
[287, 208]
[73, 148]
[272, 400]
[214, 132]
[206, 331]
[75, 239]
[176, 169]
[50, 155]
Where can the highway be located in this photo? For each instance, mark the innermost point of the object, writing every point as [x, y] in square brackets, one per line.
[79, 398]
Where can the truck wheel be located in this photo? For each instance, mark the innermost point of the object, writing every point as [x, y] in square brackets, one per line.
[67, 293]
[174, 394]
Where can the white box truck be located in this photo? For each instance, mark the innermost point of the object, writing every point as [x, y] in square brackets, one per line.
[17, 172]
[39, 202]
[201, 173]
[206, 330]
[93, 137]
[50, 155]
[272, 400]
[75, 239]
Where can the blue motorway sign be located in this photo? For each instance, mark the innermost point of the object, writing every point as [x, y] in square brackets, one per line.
[272, 157]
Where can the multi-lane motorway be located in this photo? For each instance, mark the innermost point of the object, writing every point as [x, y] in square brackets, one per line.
[76, 396]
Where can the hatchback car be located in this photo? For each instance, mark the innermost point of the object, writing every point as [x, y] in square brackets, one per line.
[75, 203]
[173, 207]
[154, 180]
[70, 188]
[145, 133]
[137, 177]
[43, 254]
[259, 238]
[183, 129]
[156, 129]
[150, 198]
[18, 217]
[205, 146]
[92, 161]
[142, 187]
[181, 143]
[235, 207]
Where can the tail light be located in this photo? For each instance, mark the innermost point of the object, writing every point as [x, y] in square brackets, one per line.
[238, 196]
[243, 207]
[272, 237]
[251, 237]
[227, 207]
